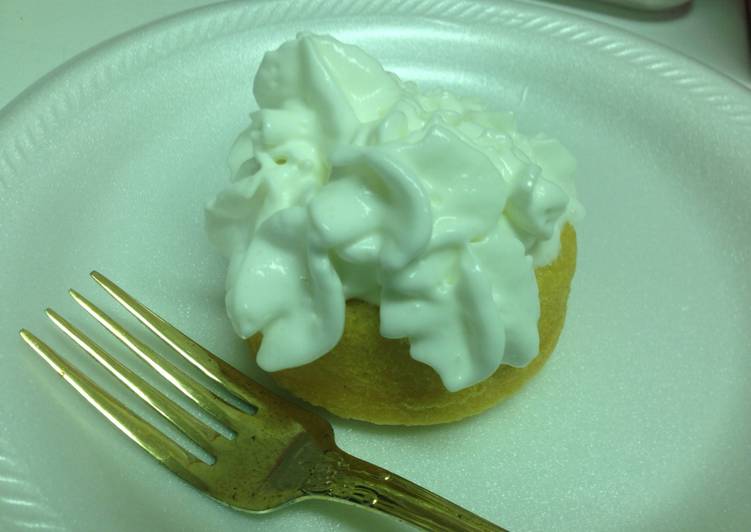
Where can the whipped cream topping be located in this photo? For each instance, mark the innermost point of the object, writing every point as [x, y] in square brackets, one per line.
[350, 183]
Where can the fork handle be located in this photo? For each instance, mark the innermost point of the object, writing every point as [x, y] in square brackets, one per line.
[348, 479]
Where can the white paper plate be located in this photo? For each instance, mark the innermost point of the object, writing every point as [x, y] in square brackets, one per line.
[642, 418]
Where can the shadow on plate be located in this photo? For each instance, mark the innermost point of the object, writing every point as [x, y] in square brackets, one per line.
[602, 8]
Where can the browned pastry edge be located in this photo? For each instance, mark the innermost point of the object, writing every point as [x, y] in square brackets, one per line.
[371, 378]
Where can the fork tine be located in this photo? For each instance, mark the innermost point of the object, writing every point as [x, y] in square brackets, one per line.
[189, 425]
[167, 452]
[214, 367]
[205, 398]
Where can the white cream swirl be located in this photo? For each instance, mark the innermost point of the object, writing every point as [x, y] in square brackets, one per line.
[352, 184]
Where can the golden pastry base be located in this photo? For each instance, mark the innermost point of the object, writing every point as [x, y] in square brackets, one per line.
[371, 378]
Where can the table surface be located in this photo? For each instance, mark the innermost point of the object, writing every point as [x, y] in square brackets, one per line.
[42, 34]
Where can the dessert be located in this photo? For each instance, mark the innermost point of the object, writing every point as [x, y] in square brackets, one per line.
[386, 244]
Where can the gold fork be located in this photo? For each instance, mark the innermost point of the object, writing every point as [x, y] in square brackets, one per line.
[279, 454]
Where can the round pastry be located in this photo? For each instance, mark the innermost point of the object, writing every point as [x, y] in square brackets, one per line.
[386, 244]
[372, 378]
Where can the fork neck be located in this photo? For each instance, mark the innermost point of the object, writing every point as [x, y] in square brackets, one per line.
[348, 479]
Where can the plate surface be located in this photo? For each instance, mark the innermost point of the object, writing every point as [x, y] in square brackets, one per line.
[641, 419]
